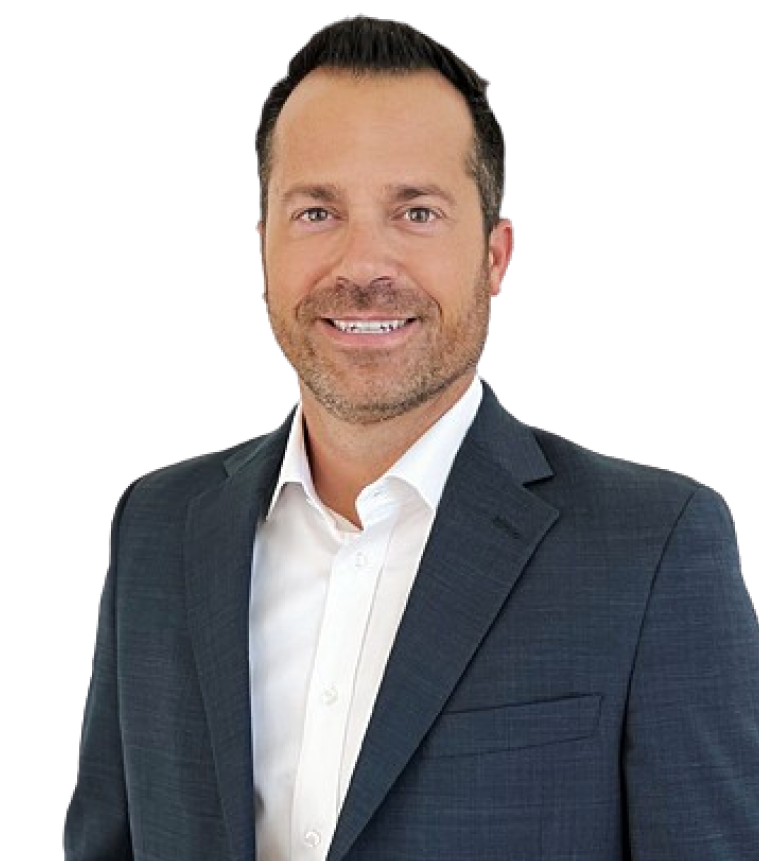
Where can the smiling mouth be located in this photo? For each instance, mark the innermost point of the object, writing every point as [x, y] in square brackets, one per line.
[370, 327]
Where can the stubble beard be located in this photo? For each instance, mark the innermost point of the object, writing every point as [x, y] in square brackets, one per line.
[367, 388]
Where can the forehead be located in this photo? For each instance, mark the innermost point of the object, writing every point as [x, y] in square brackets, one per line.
[334, 119]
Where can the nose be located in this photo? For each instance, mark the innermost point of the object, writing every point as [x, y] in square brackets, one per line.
[366, 253]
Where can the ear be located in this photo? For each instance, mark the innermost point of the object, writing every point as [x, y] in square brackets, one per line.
[500, 246]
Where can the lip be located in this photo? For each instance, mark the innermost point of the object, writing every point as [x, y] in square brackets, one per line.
[372, 341]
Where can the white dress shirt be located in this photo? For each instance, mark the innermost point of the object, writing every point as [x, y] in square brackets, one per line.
[326, 602]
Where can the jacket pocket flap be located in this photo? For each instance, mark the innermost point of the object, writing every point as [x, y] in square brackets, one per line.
[514, 726]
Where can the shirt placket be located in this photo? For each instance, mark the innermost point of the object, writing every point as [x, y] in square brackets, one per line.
[352, 584]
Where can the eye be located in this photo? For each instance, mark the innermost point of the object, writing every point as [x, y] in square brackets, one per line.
[420, 215]
[313, 215]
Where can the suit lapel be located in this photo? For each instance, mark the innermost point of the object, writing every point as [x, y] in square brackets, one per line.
[487, 528]
[221, 527]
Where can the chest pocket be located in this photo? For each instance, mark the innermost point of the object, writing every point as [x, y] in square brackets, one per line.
[510, 727]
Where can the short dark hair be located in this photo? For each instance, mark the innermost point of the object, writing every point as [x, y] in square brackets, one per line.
[365, 45]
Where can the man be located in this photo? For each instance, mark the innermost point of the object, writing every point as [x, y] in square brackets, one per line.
[404, 625]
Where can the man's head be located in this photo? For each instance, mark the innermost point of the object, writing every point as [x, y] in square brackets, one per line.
[378, 270]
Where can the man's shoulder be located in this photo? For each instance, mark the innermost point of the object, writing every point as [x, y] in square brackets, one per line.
[568, 473]
[613, 486]
[185, 479]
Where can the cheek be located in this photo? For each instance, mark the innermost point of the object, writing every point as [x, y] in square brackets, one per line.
[453, 282]
[286, 280]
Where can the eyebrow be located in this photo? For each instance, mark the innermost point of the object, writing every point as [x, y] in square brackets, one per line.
[397, 193]
[319, 192]
[405, 193]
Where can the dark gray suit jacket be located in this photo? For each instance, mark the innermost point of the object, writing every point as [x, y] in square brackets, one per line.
[576, 675]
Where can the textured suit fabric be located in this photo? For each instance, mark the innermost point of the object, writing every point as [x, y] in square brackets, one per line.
[576, 675]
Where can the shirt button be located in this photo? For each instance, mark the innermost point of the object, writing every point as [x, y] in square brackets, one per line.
[359, 560]
[312, 839]
[329, 696]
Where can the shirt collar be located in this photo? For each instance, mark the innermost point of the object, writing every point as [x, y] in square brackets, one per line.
[424, 467]
[295, 468]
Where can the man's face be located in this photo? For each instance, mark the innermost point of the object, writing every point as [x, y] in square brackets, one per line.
[378, 271]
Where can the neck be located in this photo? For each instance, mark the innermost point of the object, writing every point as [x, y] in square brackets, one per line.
[345, 458]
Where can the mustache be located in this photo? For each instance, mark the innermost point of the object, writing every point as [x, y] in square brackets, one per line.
[377, 296]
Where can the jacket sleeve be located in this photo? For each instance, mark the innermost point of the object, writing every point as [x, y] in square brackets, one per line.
[97, 822]
[691, 744]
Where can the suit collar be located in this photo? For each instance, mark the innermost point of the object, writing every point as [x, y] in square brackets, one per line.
[260, 455]
[509, 444]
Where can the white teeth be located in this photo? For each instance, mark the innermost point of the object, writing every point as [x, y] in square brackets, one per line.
[368, 327]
